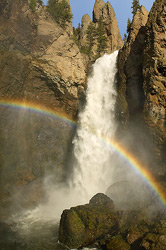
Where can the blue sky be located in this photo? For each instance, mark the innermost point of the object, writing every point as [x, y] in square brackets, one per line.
[122, 10]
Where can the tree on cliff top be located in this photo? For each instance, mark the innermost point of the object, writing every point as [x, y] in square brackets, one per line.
[101, 37]
[135, 6]
[90, 36]
[33, 4]
[60, 11]
[128, 25]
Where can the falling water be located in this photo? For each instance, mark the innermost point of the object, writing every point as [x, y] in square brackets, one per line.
[92, 170]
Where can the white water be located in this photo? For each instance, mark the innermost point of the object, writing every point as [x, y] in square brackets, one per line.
[92, 171]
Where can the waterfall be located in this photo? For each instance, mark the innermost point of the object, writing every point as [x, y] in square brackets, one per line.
[92, 169]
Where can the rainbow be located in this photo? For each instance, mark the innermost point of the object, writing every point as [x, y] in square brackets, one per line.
[139, 169]
[119, 149]
[37, 108]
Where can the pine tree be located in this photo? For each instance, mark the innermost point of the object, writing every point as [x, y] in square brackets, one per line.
[76, 34]
[135, 6]
[39, 2]
[91, 35]
[60, 11]
[101, 37]
[128, 25]
[32, 5]
[124, 38]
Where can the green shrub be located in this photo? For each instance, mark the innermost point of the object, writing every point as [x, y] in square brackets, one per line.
[128, 25]
[32, 5]
[135, 6]
[60, 11]
[124, 38]
[39, 2]
[76, 34]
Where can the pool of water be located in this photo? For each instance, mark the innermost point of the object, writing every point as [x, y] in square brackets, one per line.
[29, 235]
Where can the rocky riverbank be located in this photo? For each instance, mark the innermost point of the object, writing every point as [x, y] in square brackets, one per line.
[98, 224]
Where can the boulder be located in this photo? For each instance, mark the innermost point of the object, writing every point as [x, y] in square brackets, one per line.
[83, 225]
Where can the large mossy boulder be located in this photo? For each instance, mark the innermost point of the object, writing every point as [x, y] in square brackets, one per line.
[83, 225]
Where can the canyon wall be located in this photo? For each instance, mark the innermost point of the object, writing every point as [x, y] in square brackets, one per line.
[141, 87]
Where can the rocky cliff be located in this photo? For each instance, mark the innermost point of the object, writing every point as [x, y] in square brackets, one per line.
[42, 68]
[141, 100]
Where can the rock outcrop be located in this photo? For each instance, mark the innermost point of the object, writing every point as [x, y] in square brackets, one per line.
[141, 99]
[102, 11]
[85, 22]
[105, 10]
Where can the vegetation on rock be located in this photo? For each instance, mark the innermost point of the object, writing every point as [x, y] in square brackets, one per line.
[124, 38]
[99, 224]
[101, 37]
[91, 36]
[96, 39]
[128, 25]
[135, 6]
[76, 34]
[83, 224]
[60, 11]
[33, 4]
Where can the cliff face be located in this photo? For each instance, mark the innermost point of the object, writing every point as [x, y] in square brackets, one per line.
[40, 65]
[46, 60]
[154, 75]
[142, 82]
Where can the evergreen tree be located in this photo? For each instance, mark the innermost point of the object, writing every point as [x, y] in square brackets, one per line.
[32, 5]
[91, 35]
[76, 34]
[124, 38]
[39, 2]
[101, 37]
[60, 11]
[135, 6]
[128, 25]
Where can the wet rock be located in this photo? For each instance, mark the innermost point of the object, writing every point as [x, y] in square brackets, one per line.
[101, 199]
[117, 243]
[83, 225]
